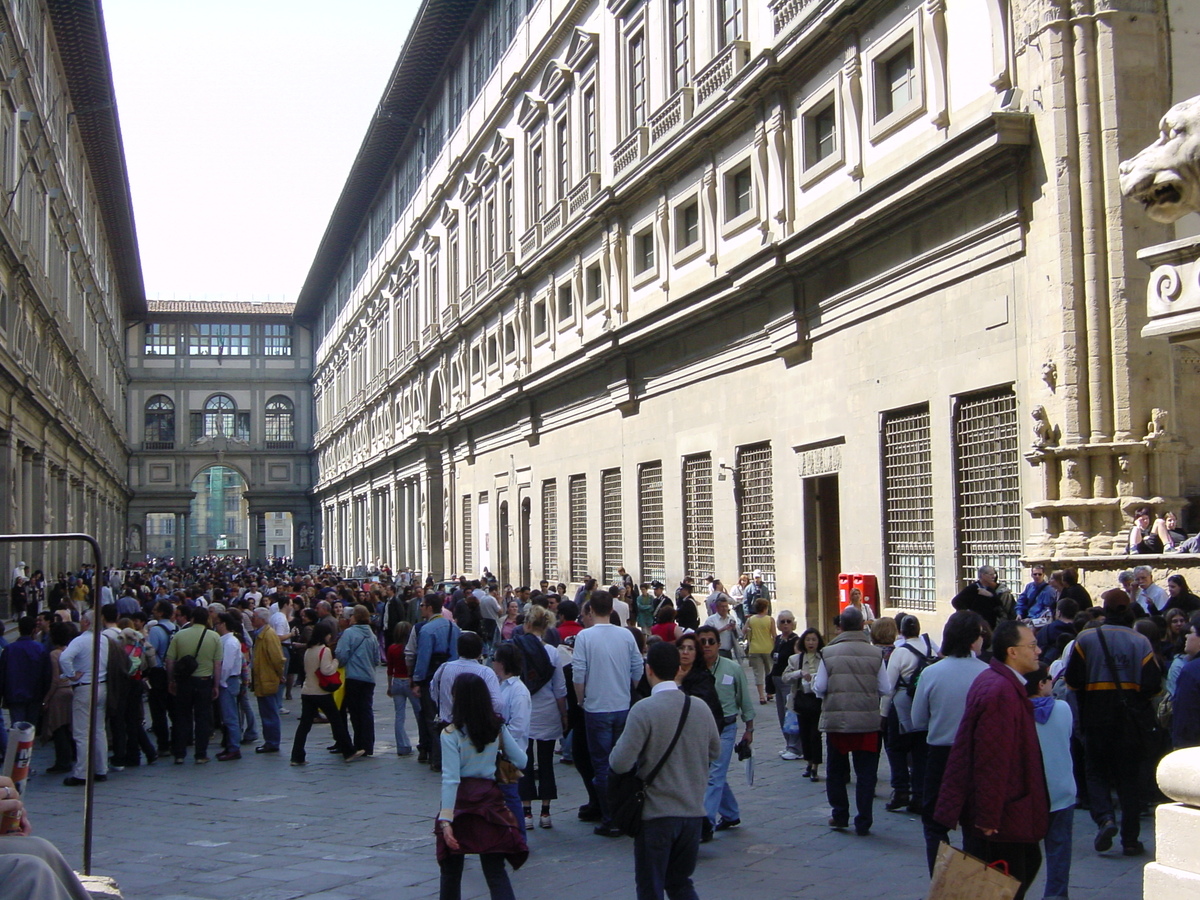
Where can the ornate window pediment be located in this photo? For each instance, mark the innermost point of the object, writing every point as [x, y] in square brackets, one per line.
[533, 109]
[582, 49]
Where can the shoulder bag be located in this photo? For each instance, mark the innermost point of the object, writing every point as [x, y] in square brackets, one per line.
[328, 683]
[627, 792]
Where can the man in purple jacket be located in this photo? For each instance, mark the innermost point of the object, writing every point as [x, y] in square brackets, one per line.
[995, 783]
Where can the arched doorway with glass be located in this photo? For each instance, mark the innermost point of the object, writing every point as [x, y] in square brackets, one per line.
[220, 516]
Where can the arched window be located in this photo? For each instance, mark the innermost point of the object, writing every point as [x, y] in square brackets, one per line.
[160, 423]
[220, 417]
[278, 424]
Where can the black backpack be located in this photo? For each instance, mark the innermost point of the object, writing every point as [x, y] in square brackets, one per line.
[538, 670]
[924, 658]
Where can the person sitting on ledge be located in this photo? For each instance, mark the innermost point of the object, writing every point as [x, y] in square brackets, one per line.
[30, 867]
[1149, 533]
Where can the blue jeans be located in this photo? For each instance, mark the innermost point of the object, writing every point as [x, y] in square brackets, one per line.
[1058, 852]
[837, 777]
[402, 698]
[268, 712]
[603, 730]
[249, 723]
[229, 713]
[718, 796]
[512, 799]
[664, 857]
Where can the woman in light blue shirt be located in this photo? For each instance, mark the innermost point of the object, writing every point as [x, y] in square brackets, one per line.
[474, 814]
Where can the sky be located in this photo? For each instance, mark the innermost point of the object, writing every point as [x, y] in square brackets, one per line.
[240, 120]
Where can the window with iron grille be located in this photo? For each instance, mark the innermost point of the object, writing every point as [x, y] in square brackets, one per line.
[577, 500]
[698, 558]
[468, 535]
[650, 522]
[550, 530]
[987, 485]
[756, 512]
[610, 524]
[908, 509]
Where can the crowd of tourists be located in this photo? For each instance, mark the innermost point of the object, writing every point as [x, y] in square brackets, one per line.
[1021, 710]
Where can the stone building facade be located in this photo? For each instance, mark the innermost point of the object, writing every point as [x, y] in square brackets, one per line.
[70, 279]
[220, 410]
[708, 286]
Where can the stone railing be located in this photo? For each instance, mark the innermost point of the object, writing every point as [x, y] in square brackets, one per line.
[530, 241]
[718, 73]
[787, 10]
[581, 195]
[449, 315]
[629, 150]
[672, 114]
[1175, 872]
[552, 220]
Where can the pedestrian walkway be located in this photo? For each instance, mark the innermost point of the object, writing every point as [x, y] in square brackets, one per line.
[257, 829]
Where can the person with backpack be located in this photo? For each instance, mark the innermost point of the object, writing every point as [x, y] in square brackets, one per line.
[192, 660]
[905, 746]
[546, 681]
[158, 635]
[137, 742]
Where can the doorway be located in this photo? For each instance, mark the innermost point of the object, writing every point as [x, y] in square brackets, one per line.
[503, 544]
[526, 548]
[822, 551]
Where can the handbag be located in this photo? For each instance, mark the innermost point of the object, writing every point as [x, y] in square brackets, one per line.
[627, 792]
[329, 683]
[506, 770]
[960, 876]
[791, 723]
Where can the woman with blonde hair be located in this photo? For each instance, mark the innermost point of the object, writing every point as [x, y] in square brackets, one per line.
[760, 630]
[548, 713]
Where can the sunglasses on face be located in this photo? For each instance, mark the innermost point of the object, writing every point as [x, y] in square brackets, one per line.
[707, 642]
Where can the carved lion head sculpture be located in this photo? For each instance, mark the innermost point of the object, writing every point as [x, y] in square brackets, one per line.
[1165, 177]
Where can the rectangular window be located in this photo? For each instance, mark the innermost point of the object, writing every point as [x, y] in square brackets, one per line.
[566, 303]
[550, 530]
[162, 339]
[277, 340]
[687, 225]
[537, 181]
[650, 522]
[637, 81]
[988, 485]
[756, 512]
[895, 81]
[508, 214]
[908, 509]
[563, 157]
[593, 285]
[468, 535]
[820, 134]
[591, 151]
[679, 44]
[731, 22]
[219, 340]
[539, 318]
[643, 251]
[577, 500]
[738, 196]
[611, 543]
[698, 556]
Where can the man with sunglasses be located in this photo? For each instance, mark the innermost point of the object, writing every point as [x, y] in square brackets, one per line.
[720, 805]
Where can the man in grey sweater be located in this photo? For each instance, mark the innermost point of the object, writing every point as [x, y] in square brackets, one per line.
[665, 851]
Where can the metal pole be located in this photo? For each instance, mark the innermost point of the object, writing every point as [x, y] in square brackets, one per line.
[90, 787]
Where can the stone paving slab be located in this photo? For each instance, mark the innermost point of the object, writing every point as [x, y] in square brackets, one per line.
[332, 831]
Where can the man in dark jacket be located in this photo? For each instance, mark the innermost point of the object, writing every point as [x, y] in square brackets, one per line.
[24, 674]
[994, 782]
[1185, 727]
[851, 680]
[1114, 671]
[987, 597]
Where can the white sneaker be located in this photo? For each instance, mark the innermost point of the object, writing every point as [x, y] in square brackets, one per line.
[788, 754]
[529, 823]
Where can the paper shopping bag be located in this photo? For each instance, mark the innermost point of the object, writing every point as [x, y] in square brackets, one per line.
[960, 876]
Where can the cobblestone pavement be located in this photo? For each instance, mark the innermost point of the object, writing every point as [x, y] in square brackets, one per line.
[258, 829]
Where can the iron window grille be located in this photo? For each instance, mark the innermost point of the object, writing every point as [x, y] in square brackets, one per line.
[698, 557]
[908, 509]
[650, 522]
[987, 485]
[611, 543]
[756, 512]
[468, 535]
[550, 530]
[577, 502]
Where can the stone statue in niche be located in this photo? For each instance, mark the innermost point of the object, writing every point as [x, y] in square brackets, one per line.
[1157, 427]
[1165, 177]
[304, 539]
[135, 539]
[1044, 434]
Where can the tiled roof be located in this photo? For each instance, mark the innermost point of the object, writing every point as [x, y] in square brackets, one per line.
[223, 307]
